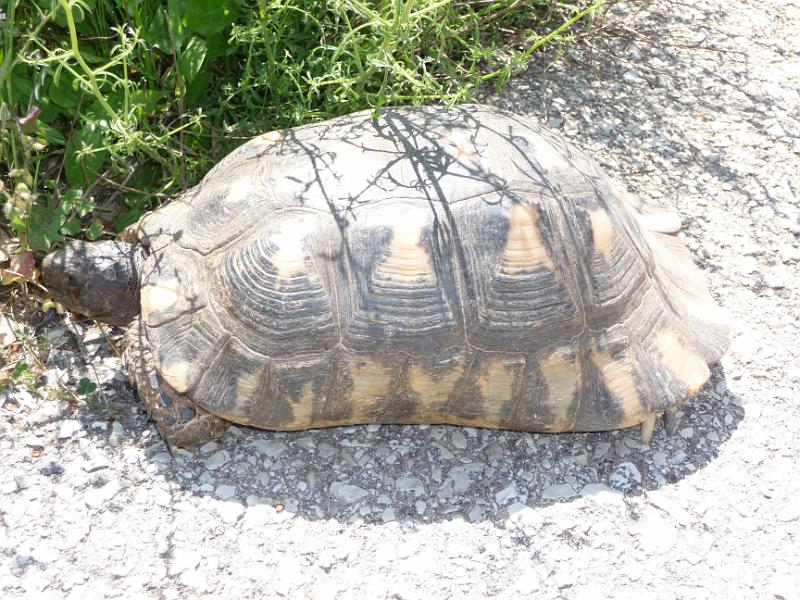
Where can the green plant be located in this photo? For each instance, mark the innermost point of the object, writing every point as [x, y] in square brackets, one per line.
[108, 106]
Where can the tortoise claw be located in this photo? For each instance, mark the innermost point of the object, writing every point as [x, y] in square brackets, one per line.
[648, 425]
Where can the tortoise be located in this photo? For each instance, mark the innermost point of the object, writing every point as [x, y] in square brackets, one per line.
[427, 265]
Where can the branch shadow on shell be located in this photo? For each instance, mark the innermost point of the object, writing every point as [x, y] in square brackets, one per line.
[423, 474]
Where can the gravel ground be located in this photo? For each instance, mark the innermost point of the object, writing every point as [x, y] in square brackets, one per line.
[695, 104]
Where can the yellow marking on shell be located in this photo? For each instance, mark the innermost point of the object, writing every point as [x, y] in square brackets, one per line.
[176, 374]
[682, 361]
[496, 385]
[524, 249]
[272, 136]
[372, 382]
[161, 297]
[238, 190]
[303, 408]
[246, 386]
[561, 372]
[460, 146]
[602, 233]
[433, 391]
[617, 375]
[290, 257]
[407, 261]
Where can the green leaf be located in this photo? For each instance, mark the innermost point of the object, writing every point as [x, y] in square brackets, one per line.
[192, 58]
[64, 90]
[72, 227]
[207, 17]
[20, 369]
[129, 217]
[52, 135]
[176, 23]
[44, 227]
[157, 33]
[95, 230]
[195, 90]
[86, 387]
[81, 169]
[74, 201]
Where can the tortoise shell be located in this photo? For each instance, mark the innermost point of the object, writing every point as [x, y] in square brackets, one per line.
[432, 265]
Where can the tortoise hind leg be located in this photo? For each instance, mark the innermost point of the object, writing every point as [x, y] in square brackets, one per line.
[179, 420]
[648, 426]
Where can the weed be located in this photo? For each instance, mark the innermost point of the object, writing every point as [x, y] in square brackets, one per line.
[108, 106]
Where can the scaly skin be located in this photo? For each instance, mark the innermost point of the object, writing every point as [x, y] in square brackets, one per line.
[180, 421]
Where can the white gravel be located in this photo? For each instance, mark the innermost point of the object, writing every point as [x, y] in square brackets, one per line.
[695, 104]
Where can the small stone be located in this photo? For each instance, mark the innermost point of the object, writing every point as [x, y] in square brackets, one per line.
[46, 413]
[558, 492]
[632, 76]
[507, 494]
[225, 492]
[96, 497]
[23, 482]
[410, 484]
[51, 469]
[458, 440]
[686, 432]
[68, 428]
[659, 459]
[625, 477]
[477, 514]
[346, 492]
[208, 447]
[601, 449]
[420, 507]
[96, 464]
[270, 448]
[388, 514]
[99, 425]
[601, 493]
[216, 460]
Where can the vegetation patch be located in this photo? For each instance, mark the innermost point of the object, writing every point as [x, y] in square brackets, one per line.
[109, 106]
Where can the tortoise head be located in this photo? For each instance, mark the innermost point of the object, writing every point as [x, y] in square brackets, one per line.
[97, 279]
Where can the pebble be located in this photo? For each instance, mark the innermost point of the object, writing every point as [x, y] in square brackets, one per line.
[388, 515]
[68, 428]
[507, 494]
[601, 493]
[458, 440]
[269, 448]
[225, 492]
[97, 497]
[625, 477]
[47, 413]
[558, 492]
[346, 492]
[410, 484]
[217, 460]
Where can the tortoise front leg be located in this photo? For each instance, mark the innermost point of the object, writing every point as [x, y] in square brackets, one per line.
[179, 420]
